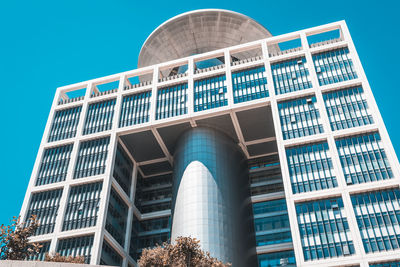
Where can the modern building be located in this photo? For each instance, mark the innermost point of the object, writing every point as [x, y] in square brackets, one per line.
[269, 149]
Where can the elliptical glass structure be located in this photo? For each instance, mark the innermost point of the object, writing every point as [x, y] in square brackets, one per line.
[269, 155]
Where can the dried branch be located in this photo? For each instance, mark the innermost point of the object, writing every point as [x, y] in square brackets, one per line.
[185, 253]
[14, 239]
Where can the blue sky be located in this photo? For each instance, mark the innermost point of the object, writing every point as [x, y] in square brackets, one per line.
[47, 44]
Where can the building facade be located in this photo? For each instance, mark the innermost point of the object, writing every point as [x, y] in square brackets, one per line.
[271, 151]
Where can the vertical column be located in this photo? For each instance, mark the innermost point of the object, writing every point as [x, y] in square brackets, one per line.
[70, 172]
[349, 212]
[122, 84]
[104, 199]
[190, 89]
[131, 208]
[118, 102]
[153, 98]
[228, 73]
[393, 159]
[283, 161]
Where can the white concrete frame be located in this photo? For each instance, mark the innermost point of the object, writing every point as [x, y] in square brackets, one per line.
[343, 190]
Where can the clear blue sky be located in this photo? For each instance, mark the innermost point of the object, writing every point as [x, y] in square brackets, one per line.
[47, 44]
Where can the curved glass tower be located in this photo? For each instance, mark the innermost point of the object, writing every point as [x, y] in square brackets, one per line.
[211, 195]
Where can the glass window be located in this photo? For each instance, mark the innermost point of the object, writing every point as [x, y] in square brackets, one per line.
[92, 156]
[300, 117]
[109, 256]
[283, 258]
[135, 109]
[210, 93]
[324, 229]
[378, 218]
[347, 108]
[64, 124]
[310, 168]
[123, 169]
[82, 207]
[171, 101]
[291, 75]
[249, 84]
[76, 246]
[54, 165]
[363, 158]
[153, 193]
[117, 217]
[99, 117]
[45, 206]
[334, 66]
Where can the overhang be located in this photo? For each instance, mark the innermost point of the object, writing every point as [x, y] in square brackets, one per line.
[197, 32]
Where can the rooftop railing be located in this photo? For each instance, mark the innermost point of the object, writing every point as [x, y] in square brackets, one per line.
[331, 41]
[246, 60]
[284, 52]
[137, 85]
[104, 93]
[209, 69]
[70, 100]
[169, 78]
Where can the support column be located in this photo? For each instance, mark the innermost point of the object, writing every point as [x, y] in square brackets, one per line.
[211, 196]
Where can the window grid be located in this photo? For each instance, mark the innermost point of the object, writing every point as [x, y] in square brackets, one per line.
[135, 109]
[300, 117]
[378, 218]
[334, 66]
[310, 168]
[271, 222]
[363, 158]
[324, 229]
[171, 101]
[133, 244]
[54, 165]
[45, 206]
[291, 75]
[76, 246]
[152, 240]
[281, 258]
[153, 193]
[249, 84]
[148, 233]
[347, 108]
[395, 263]
[64, 124]
[210, 93]
[109, 256]
[99, 117]
[82, 207]
[116, 217]
[123, 169]
[92, 158]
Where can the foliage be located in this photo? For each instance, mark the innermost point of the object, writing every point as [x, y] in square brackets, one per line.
[185, 252]
[58, 258]
[14, 244]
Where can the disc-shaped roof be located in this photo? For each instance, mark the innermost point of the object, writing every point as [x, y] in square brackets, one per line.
[198, 32]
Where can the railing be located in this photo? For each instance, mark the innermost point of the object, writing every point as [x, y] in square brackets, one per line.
[246, 60]
[104, 93]
[70, 100]
[169, 78]
[284, 52]
[331, 41]
[209, 68]
[137, 85]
